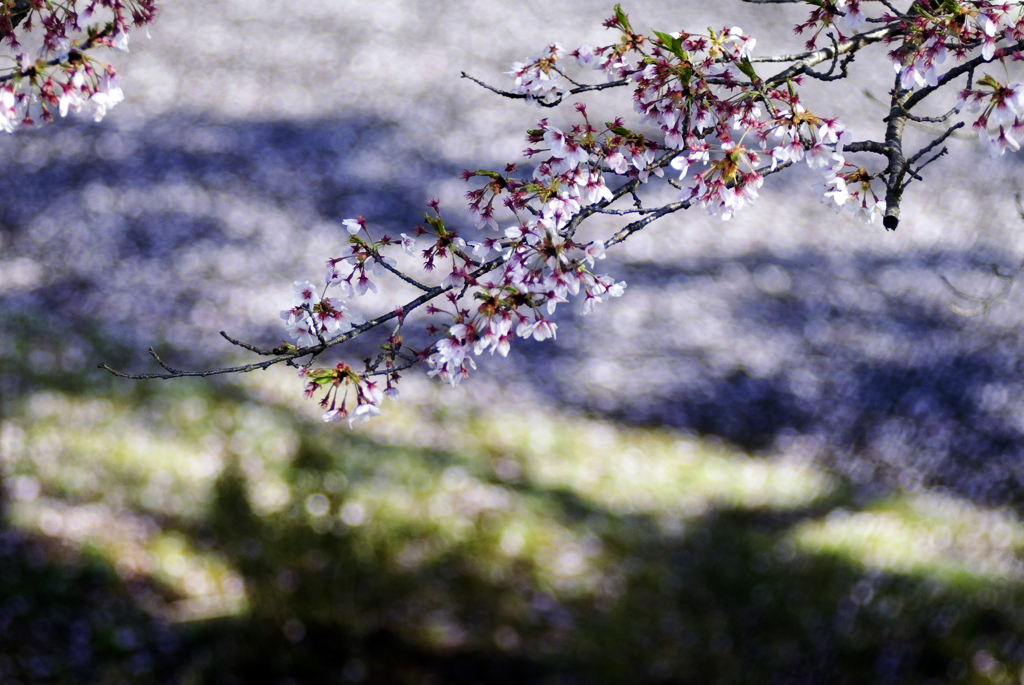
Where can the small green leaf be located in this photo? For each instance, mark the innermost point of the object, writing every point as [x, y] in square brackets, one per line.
[622, 17]
[436, 223]
[322, 376]
[987, 80]
[747, 68]
[665, 38]
[673, 44]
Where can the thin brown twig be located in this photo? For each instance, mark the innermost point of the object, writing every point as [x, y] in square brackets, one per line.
[541, 101]
[917, 121]
[814, 57]
[313, 350]
[916, 173]
[986, 302]
[938, 141]
[408, 279]
[248, 346]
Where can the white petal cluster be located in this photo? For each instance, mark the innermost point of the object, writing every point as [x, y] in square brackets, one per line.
[313, 315]
[536, 78]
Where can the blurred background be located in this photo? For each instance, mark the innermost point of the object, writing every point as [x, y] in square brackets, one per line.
[782, 457]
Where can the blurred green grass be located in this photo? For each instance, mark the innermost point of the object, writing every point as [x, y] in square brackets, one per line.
[196, 532]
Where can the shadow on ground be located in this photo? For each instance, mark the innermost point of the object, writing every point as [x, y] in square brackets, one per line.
[444, 597]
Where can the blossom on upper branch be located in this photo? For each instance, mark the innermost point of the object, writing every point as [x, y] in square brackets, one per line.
[1002, 107]
[409, 245]
[106, 95]
[65, 77]
[1003, 140]
[960, 26]
[300, 325]
[536, 77]
[334, 318]
[853, 16]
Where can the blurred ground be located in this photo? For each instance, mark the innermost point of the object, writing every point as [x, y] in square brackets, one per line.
[780, 458]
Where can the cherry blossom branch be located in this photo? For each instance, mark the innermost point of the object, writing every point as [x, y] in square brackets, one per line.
[933, 120]
[312, 350]
[903, 101]
[162, 363]
[627, 188]
[625, 212]
[248, 346]
[830, 75]
[544, 103]
[568, 78]
[395, 369]
[686, 88]
[629, 229]
[408, 279]
[87, 45]
[814, 57]
[917, 121]
[868, 146]
[198, 374]
[654, 214]
[894, 149]
[65, 77]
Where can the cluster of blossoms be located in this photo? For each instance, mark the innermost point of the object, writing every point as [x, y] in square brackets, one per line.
[1001, 107]
[536, 77]
[936, 29]
[692, 88]
[338, 383]
[62, 76]
[848, 186]
[827, 15]
[539, 268]
[535, 268]
[960, 28]
[932, 31]
[703, 112]
[315, 317]
[695, 89]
